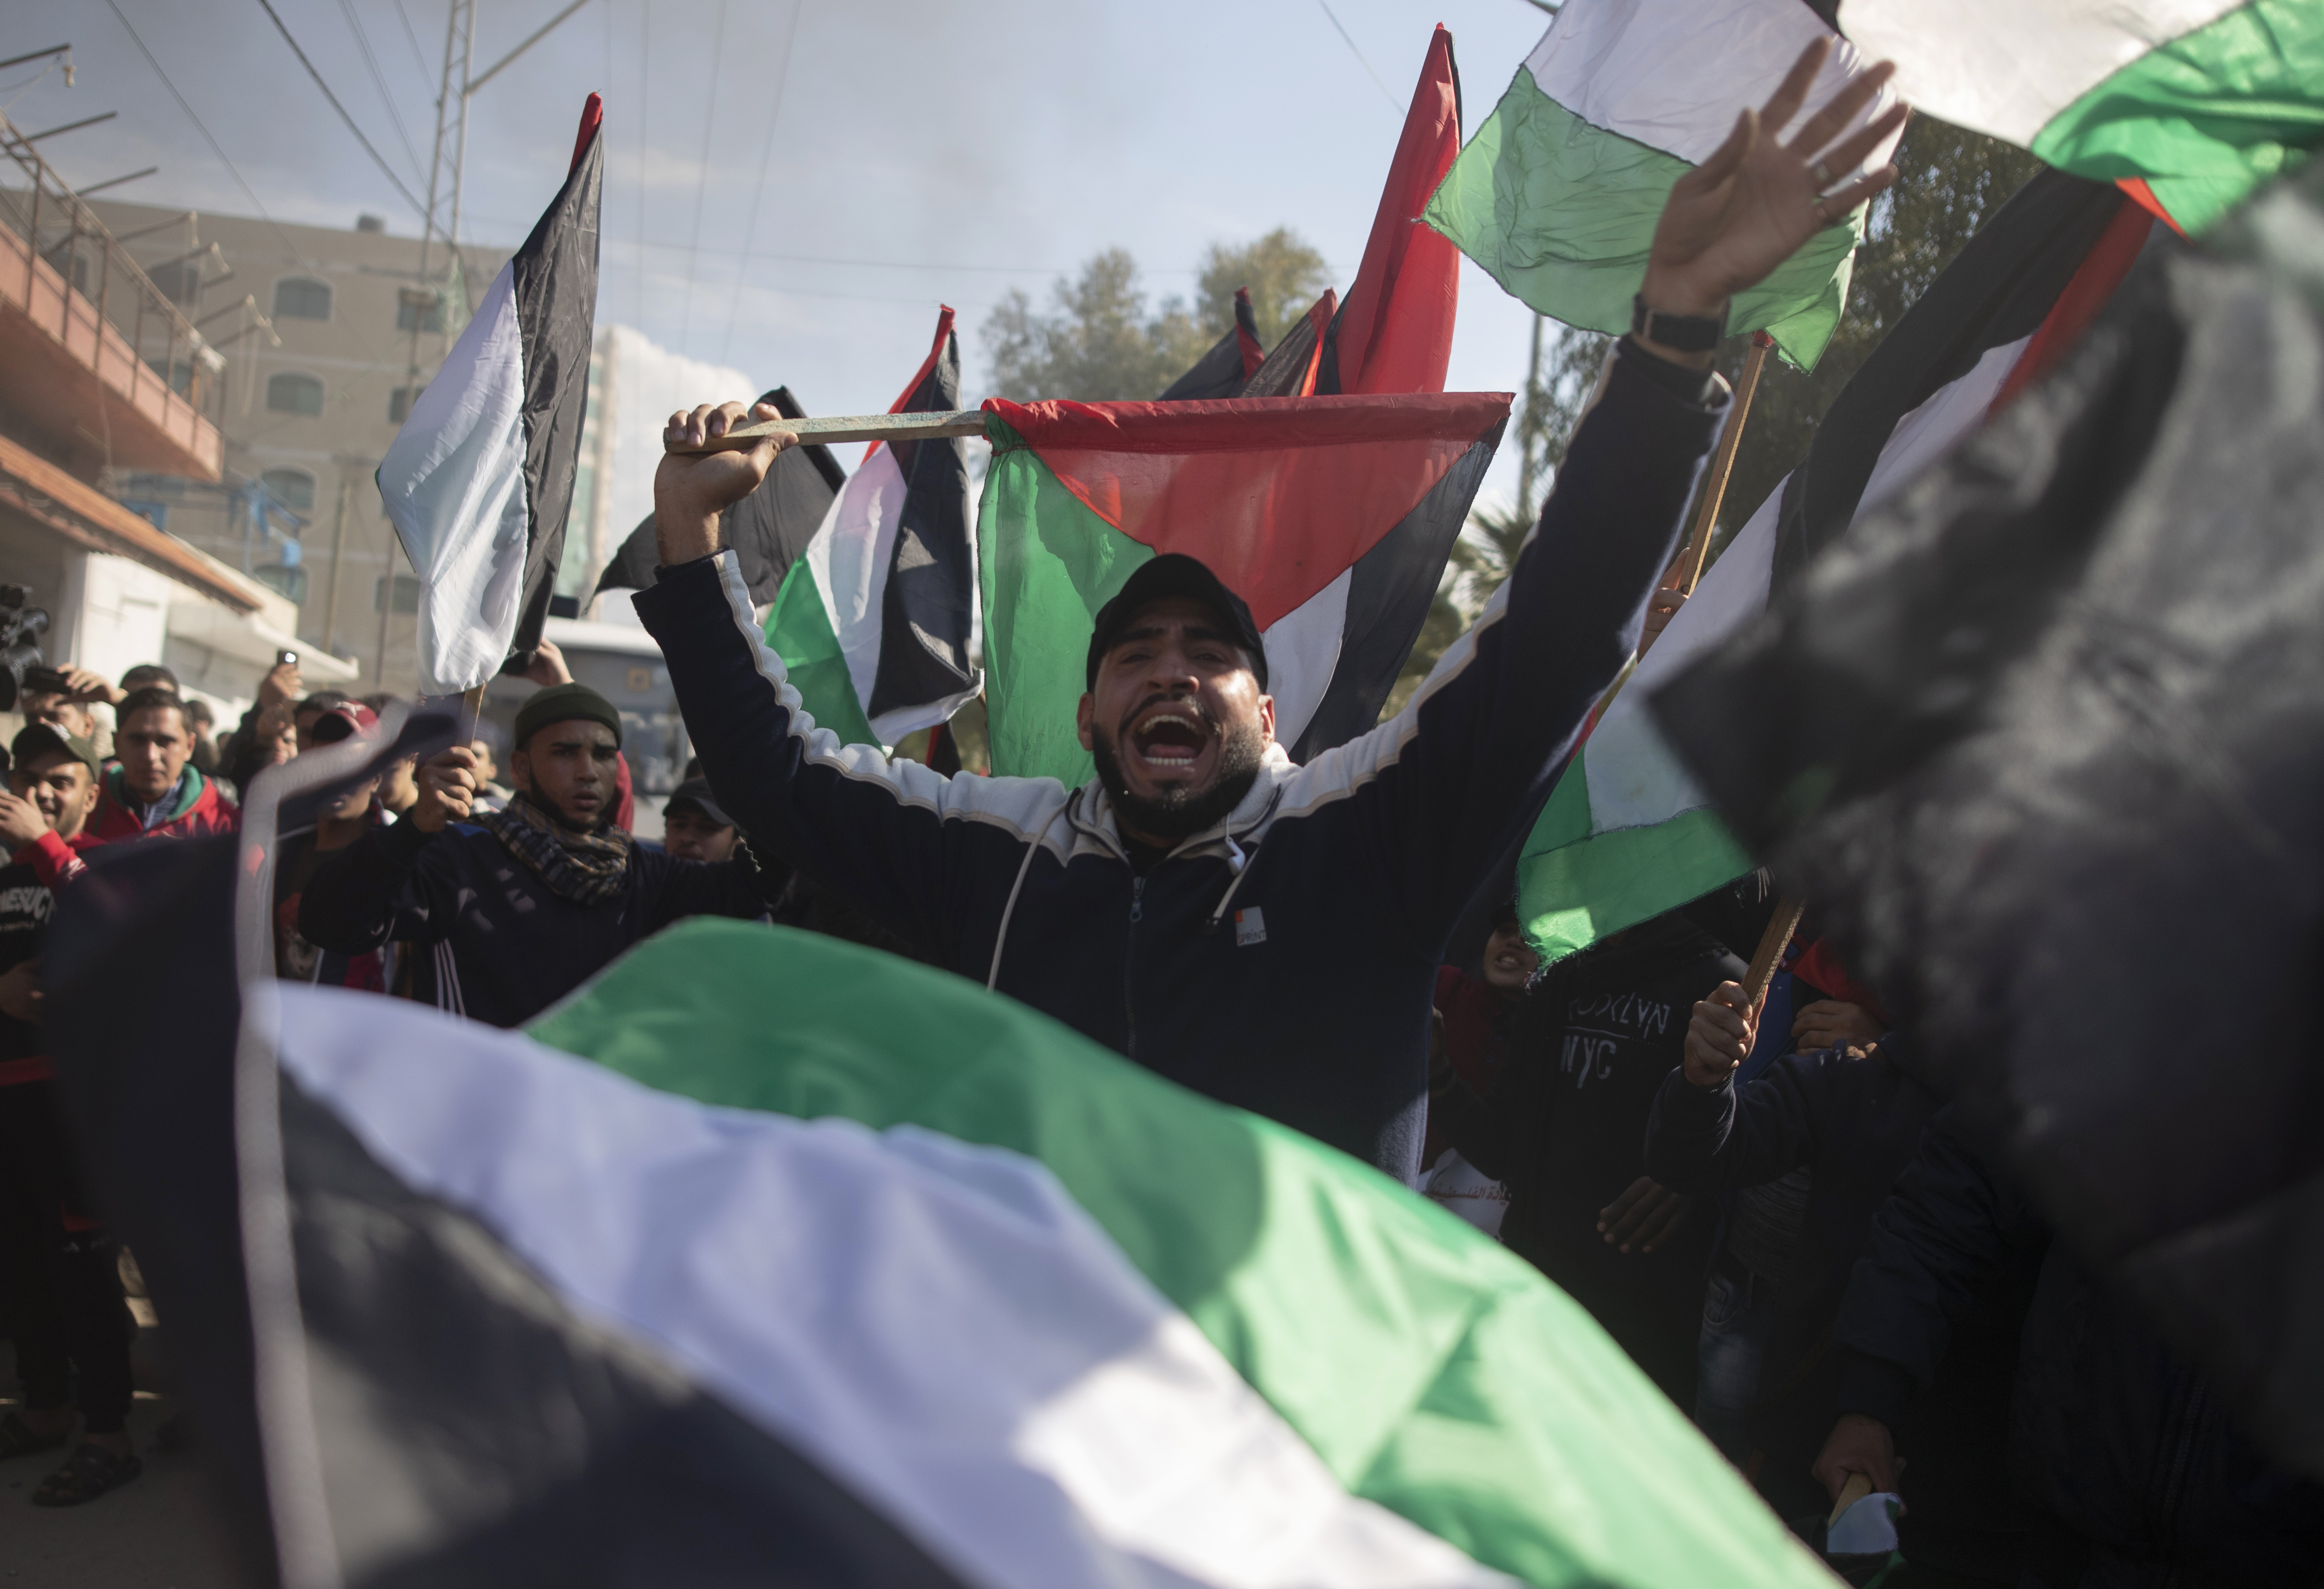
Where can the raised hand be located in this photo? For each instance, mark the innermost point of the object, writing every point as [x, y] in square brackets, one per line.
[447, 788]
[1643, 1216]
[1730, 221]
[548, 665]
[21, 822]
[691, 489]
[1720, 1035]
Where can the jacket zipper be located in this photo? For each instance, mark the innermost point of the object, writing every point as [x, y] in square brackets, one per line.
[1128, 963]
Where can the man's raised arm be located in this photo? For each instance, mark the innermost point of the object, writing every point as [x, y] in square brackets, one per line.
[1464, 769]
[872, 830]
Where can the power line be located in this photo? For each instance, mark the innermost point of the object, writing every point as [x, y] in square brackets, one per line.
[766, 158]
[417, 54]
[645, 148]
[1386, 92]
[385, 170]
[378, 80]
[702, 173]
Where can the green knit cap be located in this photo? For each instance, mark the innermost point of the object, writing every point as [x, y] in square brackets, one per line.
[561, 703]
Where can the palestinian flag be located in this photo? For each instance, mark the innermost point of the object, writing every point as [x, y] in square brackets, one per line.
[770, 1257]
[1230, 360]
[767, 529]
[2062, 699]
[873, 617]
[479, 480]
[1331, 516]
[2189, 104]
[1394, 331]
[1628, 832]
[1293, 365]
[1557, 194]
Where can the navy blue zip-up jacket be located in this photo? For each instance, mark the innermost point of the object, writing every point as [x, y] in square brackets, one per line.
[1283, 960]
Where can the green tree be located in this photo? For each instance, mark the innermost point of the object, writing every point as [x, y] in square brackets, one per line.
[1098, 343]
[1285, 275]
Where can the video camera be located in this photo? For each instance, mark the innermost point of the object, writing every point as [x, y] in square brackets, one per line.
[20, 628]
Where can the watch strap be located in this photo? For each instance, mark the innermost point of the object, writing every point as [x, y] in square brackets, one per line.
[1685, 333]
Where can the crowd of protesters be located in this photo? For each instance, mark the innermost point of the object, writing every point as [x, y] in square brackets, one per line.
[1766, 1202]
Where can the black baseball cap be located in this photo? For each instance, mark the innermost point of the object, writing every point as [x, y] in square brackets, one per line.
[1175, 575]
[695, 792]
[40, 738]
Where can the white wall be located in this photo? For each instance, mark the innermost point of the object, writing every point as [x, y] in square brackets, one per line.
[647, 383]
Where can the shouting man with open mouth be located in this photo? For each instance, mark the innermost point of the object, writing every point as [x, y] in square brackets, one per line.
[1265, 933]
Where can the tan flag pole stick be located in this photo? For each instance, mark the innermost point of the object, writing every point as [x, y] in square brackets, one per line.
[855, 427]
[1722, 464]
[1780, 928]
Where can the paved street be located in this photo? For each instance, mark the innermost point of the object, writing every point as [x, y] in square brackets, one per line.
[156, 1532]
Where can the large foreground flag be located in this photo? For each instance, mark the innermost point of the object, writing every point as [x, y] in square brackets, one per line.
[479, 480]
[1331, 516]
[2191, 102]
[873, 621]
[2054, 719]
[1627, 832]
[1557, 194]
[767, 529]
[769, 1249]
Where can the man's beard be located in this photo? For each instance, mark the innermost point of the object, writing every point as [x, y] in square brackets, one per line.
[1179, 811]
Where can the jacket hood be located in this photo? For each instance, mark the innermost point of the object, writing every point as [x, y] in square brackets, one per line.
[193, 788]
[1093, 812]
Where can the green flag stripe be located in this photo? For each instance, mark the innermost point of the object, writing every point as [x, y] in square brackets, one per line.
[798, 630]
[1575, 894]
[1047, 564]
[1432, 1371]
[1561, 214]
[2206, 118]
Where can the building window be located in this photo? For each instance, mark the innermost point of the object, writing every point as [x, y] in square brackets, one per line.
[293, 488]
[179, 281]
[419, 310]
[294, 394]
[298, 298]
[403, 591]
[399, 403]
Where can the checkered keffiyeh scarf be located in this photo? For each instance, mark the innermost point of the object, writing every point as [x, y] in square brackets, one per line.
[586, 868]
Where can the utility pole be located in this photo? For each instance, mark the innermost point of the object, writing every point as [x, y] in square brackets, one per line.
[338, 553]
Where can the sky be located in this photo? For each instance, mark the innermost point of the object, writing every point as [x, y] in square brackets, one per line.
[793, 186]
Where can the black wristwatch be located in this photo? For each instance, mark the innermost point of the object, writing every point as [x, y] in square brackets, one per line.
[1685, 333]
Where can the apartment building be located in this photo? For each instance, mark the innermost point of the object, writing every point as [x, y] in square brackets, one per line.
[324, 328]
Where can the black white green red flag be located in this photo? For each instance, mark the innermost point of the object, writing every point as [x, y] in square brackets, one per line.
[479, 480]
[1557, 194]
[902, 1284]
[1332, 517]
[873, 617]
[2189, 104]
[1628, 832]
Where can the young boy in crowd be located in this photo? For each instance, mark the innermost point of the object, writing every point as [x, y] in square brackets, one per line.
[1473, 1018]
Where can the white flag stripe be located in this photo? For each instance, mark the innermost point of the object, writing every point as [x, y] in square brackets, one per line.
[939, 1325]
[2009, 67]
[1674, 74]
[1302, 653]
[453, 481]
[1635, 779]
[849, 559]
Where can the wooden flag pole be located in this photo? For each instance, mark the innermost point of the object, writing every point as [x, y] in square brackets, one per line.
[472, 706]
[1722, 464]
[1780, 928]
[858, 428]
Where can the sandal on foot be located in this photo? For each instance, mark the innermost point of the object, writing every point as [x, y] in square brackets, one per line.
[88, 1473]
[19, 1438]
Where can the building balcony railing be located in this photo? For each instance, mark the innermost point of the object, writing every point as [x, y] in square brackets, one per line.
[96, 361]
